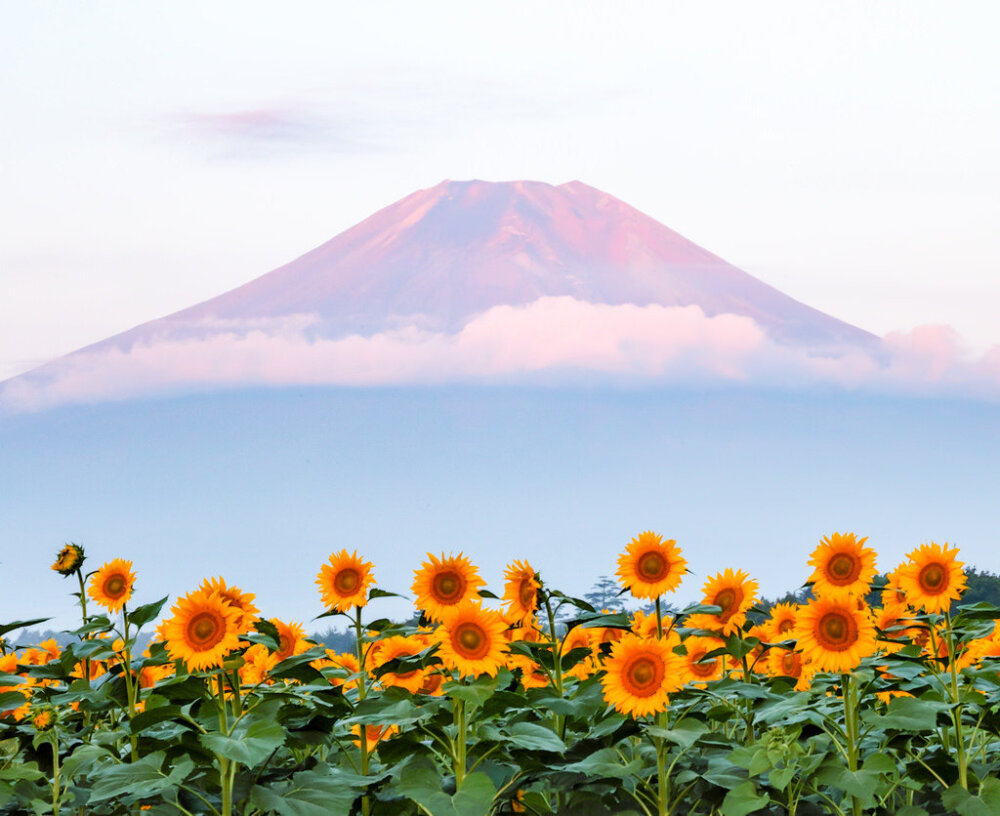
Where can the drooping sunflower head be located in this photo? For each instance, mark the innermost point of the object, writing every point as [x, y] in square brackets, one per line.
[520, 591]
[640, 674]
[932, 577]
[651, 566]
[842, 565]
[69, 560]
[242, 601]
[343, 582]
[395, 647]
[834, 634]
[782, 622]
[202, 630]
[472, 640]
[443, 583]
[291, 639]
[111, 586]
[734, 592]
[696, 667]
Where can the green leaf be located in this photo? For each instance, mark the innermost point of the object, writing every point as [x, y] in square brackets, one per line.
[779, 778]
[475, 693]
[250, 747]
[908, 714]
[139, 780]
[419, 781]
[382, 593]
[153, 716]
[605, 763]
[485, 593]
[270, 633]
[319, 792]
[142, 615]
[743, 799]
[684, 733]
[10, 627]
[534, 737]
[11, 699]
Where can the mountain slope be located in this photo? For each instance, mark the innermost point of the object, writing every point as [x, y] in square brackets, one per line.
[442, 255]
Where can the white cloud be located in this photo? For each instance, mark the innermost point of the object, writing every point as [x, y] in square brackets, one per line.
[552, 340]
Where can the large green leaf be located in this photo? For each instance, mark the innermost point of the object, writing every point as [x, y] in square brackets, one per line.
[420, 781]
[250, 747]
[317, 792]
[908, 714]
[534, 737]
[138, 780]
[743, 799]
[142, 615]
[605, 763]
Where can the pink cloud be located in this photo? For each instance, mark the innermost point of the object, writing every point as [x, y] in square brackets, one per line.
[553, 339]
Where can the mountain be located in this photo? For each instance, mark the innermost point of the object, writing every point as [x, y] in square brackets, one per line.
[444, 283]
[441, 255]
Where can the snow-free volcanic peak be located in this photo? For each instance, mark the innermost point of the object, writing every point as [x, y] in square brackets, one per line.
[441, 255]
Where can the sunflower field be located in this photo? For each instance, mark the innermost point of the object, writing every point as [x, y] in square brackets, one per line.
[878, 695]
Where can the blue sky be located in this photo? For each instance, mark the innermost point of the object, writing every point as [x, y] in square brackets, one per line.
[260, 487]
[154, 155]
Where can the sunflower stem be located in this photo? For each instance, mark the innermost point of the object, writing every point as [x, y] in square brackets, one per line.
[129, 681]
[963, 763]
[83, 610]
[366, 804]
[226, 776]
[659, 619]
[460, 745]
[849, 692]
[662, 778]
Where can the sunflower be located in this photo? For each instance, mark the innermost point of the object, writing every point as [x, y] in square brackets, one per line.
[532, 675]
[641, 672]
[202, 630]
[579, 638]
[842, 566]
[932, 578]
[69, 559]
[43, 719]
[834, 634]
[791, 663]
[441, 584]
[892, 593]
[235, 597]
[374, 734]
[433, 681]
[291, 639]
[472, 640]
[735, 593]
[782, 621]
[399, 646]
[520, 592]
[650, 566]
[343, 583]
[695, 668]
[111, 585]
[149, 676]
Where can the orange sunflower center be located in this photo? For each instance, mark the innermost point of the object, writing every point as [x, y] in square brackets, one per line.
[115, 586]
[843, 569]
[933, 579]
[347, 581]
[729, 599]
[837, 631]
[526, 593]
[205, 630]
[653, 566]
[786, 625]
[701, 667]
[643, 676]
[471, 641]
[448, 587]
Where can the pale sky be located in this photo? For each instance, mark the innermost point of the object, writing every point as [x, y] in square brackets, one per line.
[154, 155]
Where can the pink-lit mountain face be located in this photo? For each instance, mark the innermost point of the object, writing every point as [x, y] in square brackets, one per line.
[440, 256]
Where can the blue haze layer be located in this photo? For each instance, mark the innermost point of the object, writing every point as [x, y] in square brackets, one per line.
[260, 486]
